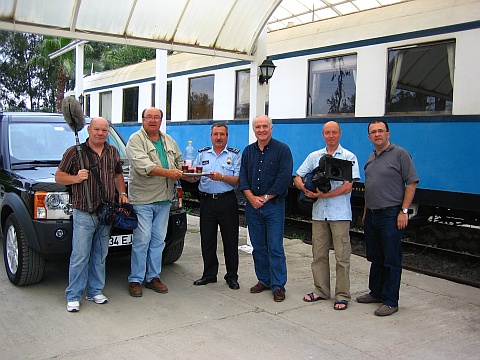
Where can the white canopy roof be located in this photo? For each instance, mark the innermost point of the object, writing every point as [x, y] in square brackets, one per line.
[226, 28]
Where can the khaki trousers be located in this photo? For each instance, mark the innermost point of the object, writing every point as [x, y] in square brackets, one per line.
[323, 232]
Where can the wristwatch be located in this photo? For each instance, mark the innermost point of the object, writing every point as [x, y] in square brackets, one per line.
[405, 211]
[123, 193]
[266, 197]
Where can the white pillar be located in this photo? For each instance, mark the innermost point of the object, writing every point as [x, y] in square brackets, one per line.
[257, 91]
[79, 51]
[161, 84]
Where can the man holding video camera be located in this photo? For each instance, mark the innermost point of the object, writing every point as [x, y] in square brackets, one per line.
[331, 216]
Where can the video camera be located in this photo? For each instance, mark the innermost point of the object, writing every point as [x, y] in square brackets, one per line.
[338, 169]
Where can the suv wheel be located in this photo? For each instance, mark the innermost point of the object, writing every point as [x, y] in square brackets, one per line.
[173, 254]
[24, 265]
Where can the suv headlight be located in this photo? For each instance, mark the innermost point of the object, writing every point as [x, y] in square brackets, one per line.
[51, 205]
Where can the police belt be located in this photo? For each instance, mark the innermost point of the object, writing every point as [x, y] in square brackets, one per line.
[382, 210]
[216, 196]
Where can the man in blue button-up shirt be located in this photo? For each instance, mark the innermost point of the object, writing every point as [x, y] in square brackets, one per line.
[265, 175]
[218, 205]
[331, 216]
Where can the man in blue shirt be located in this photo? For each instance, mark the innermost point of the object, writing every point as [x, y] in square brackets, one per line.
[331, 216]
[265, 175]
[218, 206]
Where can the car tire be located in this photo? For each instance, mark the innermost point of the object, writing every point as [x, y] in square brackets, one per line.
[173, 254]
[24, 265]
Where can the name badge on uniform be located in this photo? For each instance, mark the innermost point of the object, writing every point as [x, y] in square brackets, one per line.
[205, 162]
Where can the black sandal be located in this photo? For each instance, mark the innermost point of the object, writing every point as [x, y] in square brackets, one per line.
[340, 302]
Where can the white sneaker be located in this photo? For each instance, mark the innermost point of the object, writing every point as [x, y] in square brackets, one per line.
[73, 306]
[99, 299]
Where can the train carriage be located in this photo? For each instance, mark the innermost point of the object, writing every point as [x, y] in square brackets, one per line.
[413, 64]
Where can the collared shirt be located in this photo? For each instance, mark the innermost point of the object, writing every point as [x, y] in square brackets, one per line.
[268, 171]
[108, 165]
[386, 176]
[226, 163]
[337, 207]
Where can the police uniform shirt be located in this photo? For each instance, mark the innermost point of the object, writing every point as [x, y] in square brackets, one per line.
[226, 163]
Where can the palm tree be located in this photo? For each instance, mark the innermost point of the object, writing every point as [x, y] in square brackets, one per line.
[65, 67]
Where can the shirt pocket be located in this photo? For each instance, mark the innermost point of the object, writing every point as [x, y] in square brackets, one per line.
[228, 169]
[272, 168]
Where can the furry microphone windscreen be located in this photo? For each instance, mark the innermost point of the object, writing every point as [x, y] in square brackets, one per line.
[73, 113]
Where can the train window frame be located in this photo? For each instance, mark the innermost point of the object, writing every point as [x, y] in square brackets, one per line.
[418, 100]
[207, 111]
[87, 104]
[322, 69]
[130, 104]
[105, 105]
[242, 94]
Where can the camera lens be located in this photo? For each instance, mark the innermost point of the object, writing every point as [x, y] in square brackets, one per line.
[336, 171]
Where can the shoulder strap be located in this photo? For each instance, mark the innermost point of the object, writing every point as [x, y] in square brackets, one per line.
[94, 169]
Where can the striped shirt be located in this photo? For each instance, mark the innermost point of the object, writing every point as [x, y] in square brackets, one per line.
[108, 165]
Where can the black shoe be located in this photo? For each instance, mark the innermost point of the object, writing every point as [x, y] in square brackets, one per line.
[233, 284]
[204, 281]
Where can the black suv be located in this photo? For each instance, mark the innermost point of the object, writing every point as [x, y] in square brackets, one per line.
[35, 212]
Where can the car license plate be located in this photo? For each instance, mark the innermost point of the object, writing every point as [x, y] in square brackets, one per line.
[120, 240]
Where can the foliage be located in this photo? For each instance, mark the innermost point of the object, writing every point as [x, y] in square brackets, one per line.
[118, 56]
[30, 80]
[23, 86]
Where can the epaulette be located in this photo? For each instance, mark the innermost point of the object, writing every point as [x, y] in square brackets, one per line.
[236, 151]
[204, 149]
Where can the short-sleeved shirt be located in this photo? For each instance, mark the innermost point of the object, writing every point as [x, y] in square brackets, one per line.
[268, 171]
[386, 176]
[226, 163]
[108, 165]
[337, 207]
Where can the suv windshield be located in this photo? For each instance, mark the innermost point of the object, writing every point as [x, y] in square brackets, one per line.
[43, 142]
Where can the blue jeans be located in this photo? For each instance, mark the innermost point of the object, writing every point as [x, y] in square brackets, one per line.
[265, 227]
[148, 242]
[87, 260]
[384, 250]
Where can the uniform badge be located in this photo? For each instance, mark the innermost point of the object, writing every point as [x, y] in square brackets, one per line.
[229, 160]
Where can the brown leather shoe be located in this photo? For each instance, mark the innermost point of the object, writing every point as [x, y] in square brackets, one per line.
[279, 295]
[156, 285]
[386, 310]
[258, 288]
[368, 299]
[135, 289]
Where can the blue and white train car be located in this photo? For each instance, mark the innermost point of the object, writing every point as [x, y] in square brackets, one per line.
[414, 65]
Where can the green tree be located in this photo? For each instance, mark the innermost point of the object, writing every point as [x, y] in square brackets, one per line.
[20, 85]
[117, 56]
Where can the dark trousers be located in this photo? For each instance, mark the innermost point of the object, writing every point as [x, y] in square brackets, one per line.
[221, 212]
[384, 250]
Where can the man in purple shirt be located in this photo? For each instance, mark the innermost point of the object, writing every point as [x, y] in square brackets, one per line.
[265, 174]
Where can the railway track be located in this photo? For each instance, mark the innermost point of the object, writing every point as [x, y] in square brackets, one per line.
[459, 267]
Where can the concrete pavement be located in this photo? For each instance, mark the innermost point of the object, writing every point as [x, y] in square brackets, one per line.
[437, 319]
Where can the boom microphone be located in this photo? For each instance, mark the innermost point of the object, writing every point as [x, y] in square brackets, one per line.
[73, 113]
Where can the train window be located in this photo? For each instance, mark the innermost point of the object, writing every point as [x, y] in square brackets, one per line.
[168, 110]
[242, 95]
[200, 99]
[331, 86]
[420, 78]
[87, 105]
[106, 105]
[130, 104]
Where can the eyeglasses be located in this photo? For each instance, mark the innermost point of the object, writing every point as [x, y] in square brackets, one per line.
[150, 117]
[379, 131]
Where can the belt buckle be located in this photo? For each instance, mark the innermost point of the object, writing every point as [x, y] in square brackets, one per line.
[215, 196]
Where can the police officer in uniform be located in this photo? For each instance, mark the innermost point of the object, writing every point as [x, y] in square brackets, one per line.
[219, 206]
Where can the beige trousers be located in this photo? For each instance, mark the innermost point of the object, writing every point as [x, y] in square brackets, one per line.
[323, 232]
